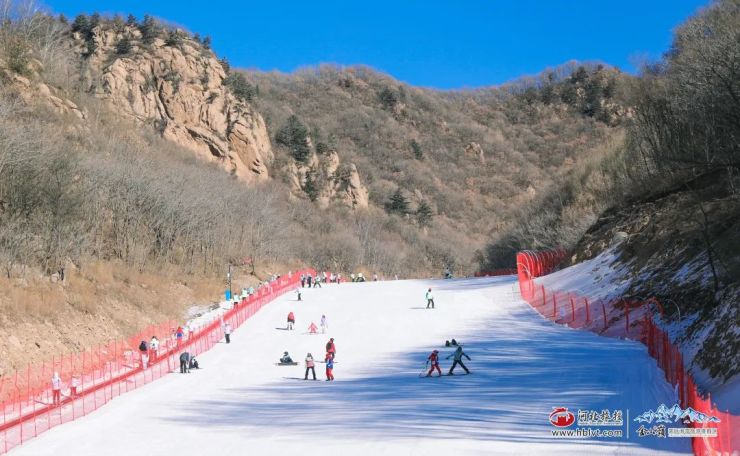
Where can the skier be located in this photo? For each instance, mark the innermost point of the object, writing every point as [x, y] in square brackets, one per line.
[56, 389]
[144, 350]
[329, 366]
[309, 279]
[179, 334]
[312, 328]
[331, 349]
[309, 366]
[154, 346]
[303, 280]
[430, 298]
[324, 324]
[291, 320]
[298, 292]
[458, 360]
[360, 277]
[286, 359]
[352, 277]
[375, 277]
[74, 385]
[434, 360]
[317, 282]
[227, 332]
[184, 362]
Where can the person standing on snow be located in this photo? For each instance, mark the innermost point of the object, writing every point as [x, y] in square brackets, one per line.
[433, 359]
[144, 350]
[458, 360]
[312, 328]
[329, 367]
[56, 389]
[298, 292]
[309, 279]
[331, 349]
[154, 346]
[310, 366]
[184, 362]
[430, 298]
[324, 324]
[303, 280]
[227, 332]
[291, 320]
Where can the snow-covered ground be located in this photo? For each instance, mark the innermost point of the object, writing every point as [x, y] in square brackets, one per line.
[523, 366]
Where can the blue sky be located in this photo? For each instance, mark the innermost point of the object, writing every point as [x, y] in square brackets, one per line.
[442, 44]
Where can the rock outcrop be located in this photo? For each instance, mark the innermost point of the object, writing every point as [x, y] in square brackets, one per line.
[325, 179]
[180, 89]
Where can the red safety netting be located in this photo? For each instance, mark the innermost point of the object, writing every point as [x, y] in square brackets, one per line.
[91, 378]
[626, 318]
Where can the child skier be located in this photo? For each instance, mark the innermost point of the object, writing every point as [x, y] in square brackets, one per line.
[324, 324]
[430, 298]
[433, 359]
[329, 367]
[309, 366]
[56, 388]
[458, 360]
[291, 320]
[312, 328]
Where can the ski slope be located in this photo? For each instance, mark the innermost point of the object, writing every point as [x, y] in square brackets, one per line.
[523, 366]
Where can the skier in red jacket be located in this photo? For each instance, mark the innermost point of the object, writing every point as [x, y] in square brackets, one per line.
[291, 320]
[434, 360]
[331, 349]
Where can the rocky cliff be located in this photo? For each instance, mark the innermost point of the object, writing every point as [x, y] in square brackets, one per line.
[179, 87]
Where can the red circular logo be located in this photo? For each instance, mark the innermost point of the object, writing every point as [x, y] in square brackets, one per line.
[561, 417]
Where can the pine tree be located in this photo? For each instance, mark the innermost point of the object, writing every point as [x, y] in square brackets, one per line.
[207, 42]
[131, 20]
[294, 135]
[424, 214]
[310, 186]
[81, 24]
[149, 29]
[123, 47]
[416, 149]
[397, 204]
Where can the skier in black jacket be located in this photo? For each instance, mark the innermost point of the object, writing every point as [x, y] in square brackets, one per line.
[458, 360]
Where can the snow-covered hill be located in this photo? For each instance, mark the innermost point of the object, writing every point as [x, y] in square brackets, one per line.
[522, 367]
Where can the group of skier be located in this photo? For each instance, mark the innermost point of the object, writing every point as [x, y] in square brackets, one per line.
[433, 361]
[310, 363]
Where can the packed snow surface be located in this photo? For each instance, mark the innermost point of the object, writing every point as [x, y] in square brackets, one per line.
[523, 366]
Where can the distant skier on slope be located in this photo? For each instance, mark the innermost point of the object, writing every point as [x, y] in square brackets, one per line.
[310, 366]
[433, 359]
[227, 332]
[312, 328]
[430, 298]
[298, 293]
[291, 320]
[184, 362]
[324, 324]
[286, 359]
[458, 360]
[329, 367]
[331, 349]
[56, 388]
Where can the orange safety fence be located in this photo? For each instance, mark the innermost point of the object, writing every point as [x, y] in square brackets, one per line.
[626, 318]
[91, 378]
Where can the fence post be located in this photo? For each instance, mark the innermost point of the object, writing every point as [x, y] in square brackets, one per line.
[603, 310]
[554, 306]
[572, 310]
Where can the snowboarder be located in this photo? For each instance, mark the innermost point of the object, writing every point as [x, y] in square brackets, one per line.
[312, 328]
[194, 363]
[184, 362]
[329, 366]
[451, 344]
[458, 360]
[433, 359]
[310, 366]
[227, 332]
[291, 320]
[360, 277]
[298, 293]
[331, 349]
[324, 324]
[56, 388]
[430, 298]
[286, 359]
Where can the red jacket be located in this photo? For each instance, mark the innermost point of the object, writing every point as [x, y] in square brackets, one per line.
[330, 348]
[434, 358]
[291, 317]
